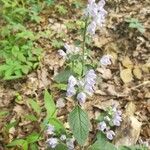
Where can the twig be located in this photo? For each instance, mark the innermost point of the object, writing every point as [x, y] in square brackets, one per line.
[137, 86]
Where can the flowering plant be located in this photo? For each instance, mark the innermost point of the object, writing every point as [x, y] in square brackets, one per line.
[81, 81]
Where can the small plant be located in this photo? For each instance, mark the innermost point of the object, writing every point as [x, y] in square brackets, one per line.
[19, 56]
[134, 23]
[61, 9]
[79, 72]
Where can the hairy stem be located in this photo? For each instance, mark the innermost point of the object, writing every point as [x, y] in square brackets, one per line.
[84, 45]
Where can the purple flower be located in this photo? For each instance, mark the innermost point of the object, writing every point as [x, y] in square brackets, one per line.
[50, 129]
[110, 134]
[81, 97]
[71, 91]
[105, 60]
[117, 118]
[89, 89]
[90, 74]
[102, 126]
[52, 142]
[96, 13]
[90, 82]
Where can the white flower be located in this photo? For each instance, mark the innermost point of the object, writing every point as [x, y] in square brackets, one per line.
[91, 1]
[102, 126]
[52, 142]
[60, 103]
[101, 4]
[71, 91]
[72, 81]
[81, 97]
[106, 60]
[62, 53]
[110, 134]
[50, 129]
[91, 28]
[70, 144]
[71, 49]
[63, 137]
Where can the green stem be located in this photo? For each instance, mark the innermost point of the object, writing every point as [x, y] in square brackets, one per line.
[84, 45]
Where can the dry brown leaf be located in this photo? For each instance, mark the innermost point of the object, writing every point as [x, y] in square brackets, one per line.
[126, 62]
[137, 72]
[105, 73]
[126, 75]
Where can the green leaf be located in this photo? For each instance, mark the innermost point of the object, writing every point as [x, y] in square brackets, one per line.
[33, 137]
[10, 125]
[49, 104]
[15, 50]
[34, 105]
[134, 147]
[63, 76]
[61, 86]
[79, 124]
[3, 113]
[61, 147]
[102, 143]
[19, 142]
[59, 128]
[34, 146]
[78, 68]
[31, 117]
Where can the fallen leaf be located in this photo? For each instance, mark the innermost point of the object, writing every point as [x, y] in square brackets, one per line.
[137, 72]
[105, 73]
[127, 62]
[126, 75]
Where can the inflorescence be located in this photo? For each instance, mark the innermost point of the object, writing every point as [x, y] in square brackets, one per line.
[96, 13]
[112, 119]
[83, 87]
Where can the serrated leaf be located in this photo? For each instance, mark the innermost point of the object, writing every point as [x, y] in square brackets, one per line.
[49, 104]
[126, 75]
[79, 124]
[102, 143]
[19, 142]
[35, 106]
[63, 76]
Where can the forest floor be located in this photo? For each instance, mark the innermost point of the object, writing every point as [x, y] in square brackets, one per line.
[125, 83]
